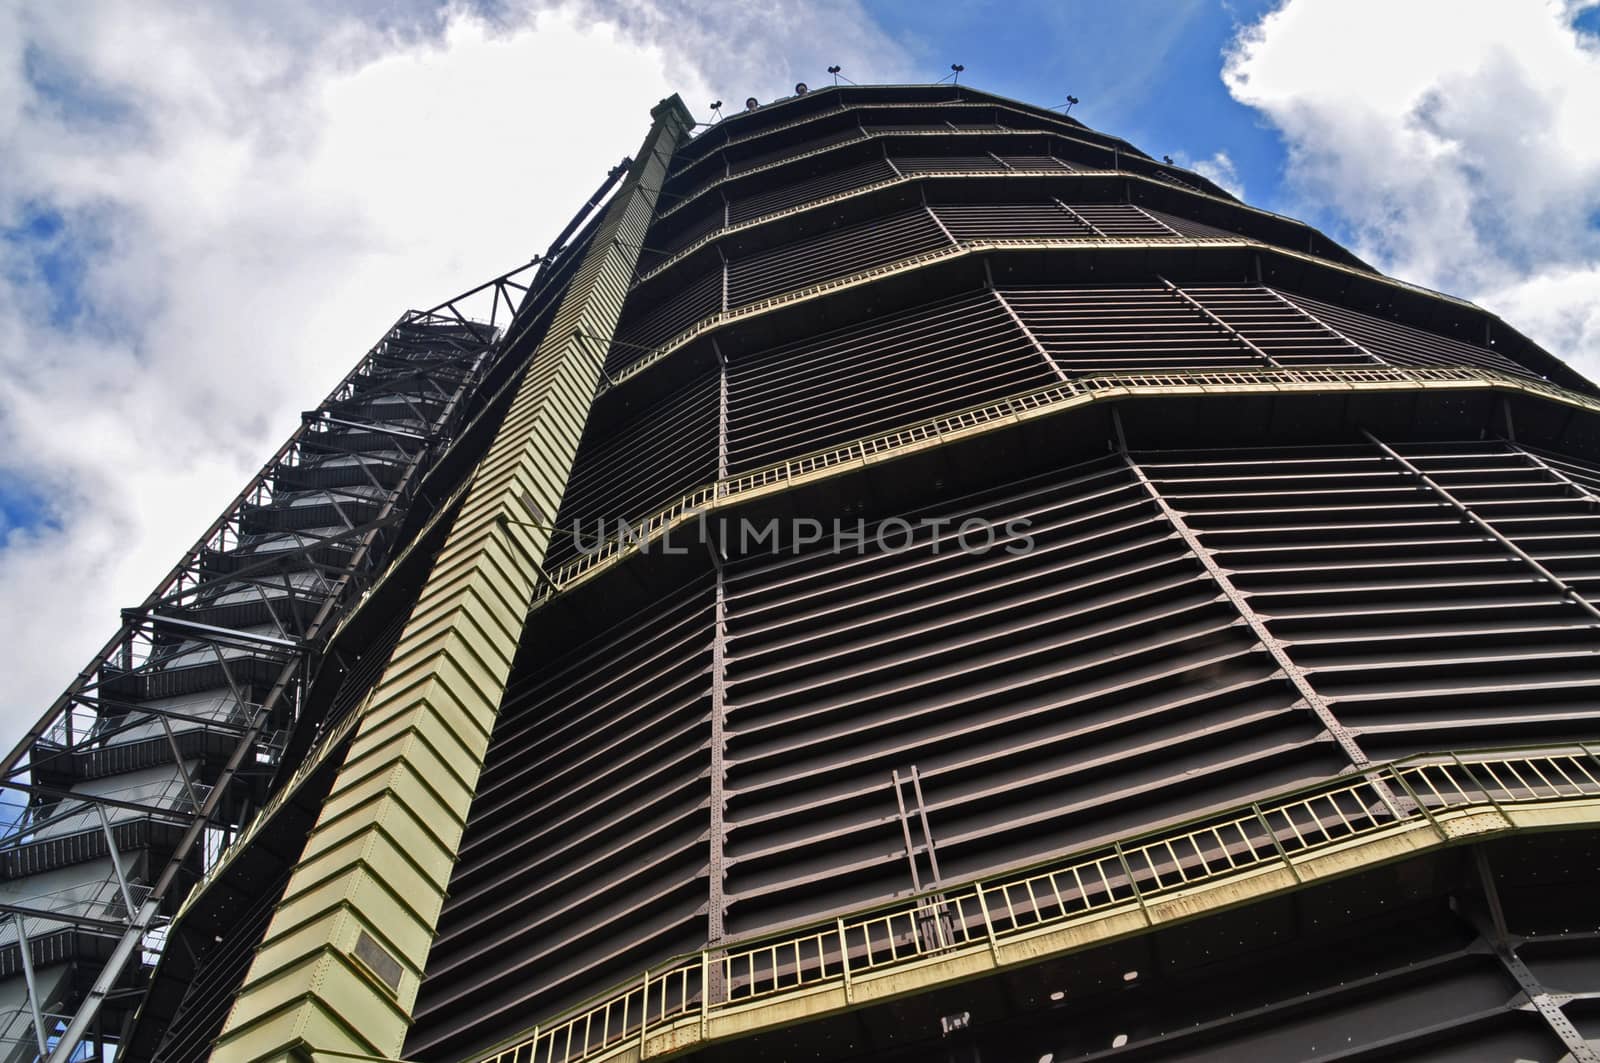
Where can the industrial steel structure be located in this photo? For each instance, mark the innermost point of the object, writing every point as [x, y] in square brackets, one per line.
[905, 576]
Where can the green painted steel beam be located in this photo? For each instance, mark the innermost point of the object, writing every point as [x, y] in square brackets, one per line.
[340, 965]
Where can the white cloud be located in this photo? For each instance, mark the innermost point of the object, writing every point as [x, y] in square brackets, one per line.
[1219, 167]
[1560, 306]
[253, 195]
[1454, 139]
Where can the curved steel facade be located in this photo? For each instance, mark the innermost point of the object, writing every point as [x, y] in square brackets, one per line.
[1275, 521]
[983, 593]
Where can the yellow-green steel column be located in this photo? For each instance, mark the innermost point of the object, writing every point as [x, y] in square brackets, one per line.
[341, 962]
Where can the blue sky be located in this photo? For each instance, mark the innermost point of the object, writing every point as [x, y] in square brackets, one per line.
[1148, 70]
[193, 249]
[1152, 72]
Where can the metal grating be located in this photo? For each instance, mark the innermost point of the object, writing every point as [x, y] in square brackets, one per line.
[1036, 162]
[1000, 221]
[660, 247]
[765, 158]
[1142, 328]
[643, 328]
[1186, 226]
[1125, 328]
[1120, 219]
[1277, 327]
[948, 164]
[1064, 220]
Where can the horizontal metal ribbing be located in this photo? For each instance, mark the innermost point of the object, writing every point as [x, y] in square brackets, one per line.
[868, 137]
[594, 785]
[1380, 337]
[1467, 514]
[1128, 886]
[976, 247]
[1082, 663]
[1044, 401]
[1418, 628]
[933, 171]
[861, 136]
[1275, 646]
[926, 258]
[1066, 128]
[663, 450]
[796, 266]
[846, 383]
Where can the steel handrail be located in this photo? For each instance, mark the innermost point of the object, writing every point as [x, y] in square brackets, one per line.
[1122, 874]
[693, 504]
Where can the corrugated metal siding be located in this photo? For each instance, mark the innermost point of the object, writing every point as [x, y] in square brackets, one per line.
[626, 471]
[1422, 631]
[794, 193]
[1400, 344]
[839, 253]
[584, 857]
[1046, 699]
[855, 381]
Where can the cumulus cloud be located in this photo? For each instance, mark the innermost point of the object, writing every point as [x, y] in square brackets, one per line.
[208, 213]
[1219, 167]
[1451, 140]
[1561, 304]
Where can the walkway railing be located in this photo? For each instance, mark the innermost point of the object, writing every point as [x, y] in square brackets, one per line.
[694, 504]
[1127, 874]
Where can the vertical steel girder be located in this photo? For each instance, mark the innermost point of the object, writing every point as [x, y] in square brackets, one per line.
[294, 670]
[20, 920]
[342, 959]
[422, 371]
[717, 902]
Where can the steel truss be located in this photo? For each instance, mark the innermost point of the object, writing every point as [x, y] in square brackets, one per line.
[140, 775]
